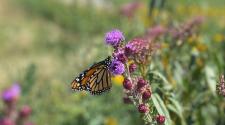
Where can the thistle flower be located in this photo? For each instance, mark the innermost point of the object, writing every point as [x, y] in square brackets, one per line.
[117, 67]
[114, 37]
[11, 94]
[120, 55]
[221, 86]
[142, 108]
[138, 49]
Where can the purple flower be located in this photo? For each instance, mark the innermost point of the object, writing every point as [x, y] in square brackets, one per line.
[117, 67]
[139, 50]
[114, 37]
[120, 55]
[11, 94]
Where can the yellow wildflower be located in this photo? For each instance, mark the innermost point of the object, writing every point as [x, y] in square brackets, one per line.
[218, 38]
[118, 79]
[111, 121]
[201, 47]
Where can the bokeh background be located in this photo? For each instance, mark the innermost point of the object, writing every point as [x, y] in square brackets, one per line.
[44, 44]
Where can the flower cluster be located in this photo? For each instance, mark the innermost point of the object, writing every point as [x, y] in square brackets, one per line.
[221, 86]
[186, 29]
[127, 59]
[12, 116]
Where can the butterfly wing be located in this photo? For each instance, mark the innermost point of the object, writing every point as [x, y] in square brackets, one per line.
[100, 81]
[79, 83]
[96, 79]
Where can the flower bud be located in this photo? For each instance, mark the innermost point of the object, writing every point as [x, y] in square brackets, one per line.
[132, 67]
[142, 108]
[127, 84]
[25, 111]
[146, 95]
[160, 119]
[141, 83]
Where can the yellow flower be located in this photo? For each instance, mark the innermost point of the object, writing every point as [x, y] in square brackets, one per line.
[111, 121]
[130, 62]
[165, 45]
[118, 79]
[192, 39]
[201, 47]
[218, 38]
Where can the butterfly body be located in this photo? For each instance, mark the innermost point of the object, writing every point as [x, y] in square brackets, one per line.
[96, 79]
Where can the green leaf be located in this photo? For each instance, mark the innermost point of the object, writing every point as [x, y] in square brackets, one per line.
[29, 79]
[165, 81]
[177, 108]
[161, 108]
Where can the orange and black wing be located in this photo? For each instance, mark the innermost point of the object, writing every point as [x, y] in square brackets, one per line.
[86, 79]
[100, 81]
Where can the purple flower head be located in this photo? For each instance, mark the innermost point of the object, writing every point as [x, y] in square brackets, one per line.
[11, 94]
[114, 37]
[136, 46]
[138, 49]
[120, 55]
[117, 67]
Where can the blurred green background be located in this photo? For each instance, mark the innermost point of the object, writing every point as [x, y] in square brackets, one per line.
[44, 44]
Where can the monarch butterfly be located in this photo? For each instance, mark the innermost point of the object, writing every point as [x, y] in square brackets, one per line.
[96, 79]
